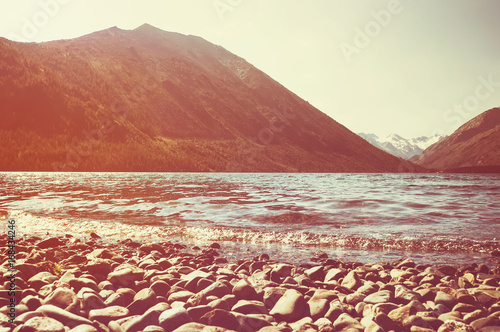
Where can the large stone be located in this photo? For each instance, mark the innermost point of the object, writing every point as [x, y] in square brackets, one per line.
[290, 307]
[108, 314]
[335, 274]
[143, 300]
[318, 308]
[198, 327]
[244, 291]
[351, 281]
[67, 318]
[316, 273]
[445, 299]
[150, 317]
[221, 318]
[125, 276]
[250, 307]
[173, 318]
[383, 296]
[63, 298]
[346, 322]
[43, 324]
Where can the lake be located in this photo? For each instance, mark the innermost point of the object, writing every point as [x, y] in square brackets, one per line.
[432, 218]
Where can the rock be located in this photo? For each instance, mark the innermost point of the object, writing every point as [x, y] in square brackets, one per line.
[318, 308]
[125, 276]
[290, 307]
[465, 308]
[484, 322]
[143, 300]
[84, 328]
[92, 301]
[193, 327]
[67, 318]
[335, 310]
[243, 290]
[400, 314]
[351, 281]
[335, 274]
[445, 299]
[404, 295]
[50, 243]
[173, 318]
[386, 322]
[153, 328]
[151, 316]
[43, 324]
[182, 296]
[345, 322]
[79, 283]
[108, 314]
[383, 296]
[315, 273]
[221, 318]
[63, 298]
[272, 295]
[250, 307]
[455, 326]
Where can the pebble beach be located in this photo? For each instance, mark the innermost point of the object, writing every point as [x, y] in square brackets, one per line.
[65, 283]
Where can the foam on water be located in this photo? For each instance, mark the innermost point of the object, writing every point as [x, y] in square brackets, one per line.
[366, 215]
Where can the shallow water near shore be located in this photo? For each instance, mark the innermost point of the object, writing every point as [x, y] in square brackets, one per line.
[433, 218]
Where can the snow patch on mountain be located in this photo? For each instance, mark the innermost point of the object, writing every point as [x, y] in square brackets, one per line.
[400, 146]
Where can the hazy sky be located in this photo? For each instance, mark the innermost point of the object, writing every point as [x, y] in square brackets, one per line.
[408, 67]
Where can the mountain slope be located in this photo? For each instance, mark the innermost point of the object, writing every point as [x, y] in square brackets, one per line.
[399, 146]
[150, 100]
[475, 146]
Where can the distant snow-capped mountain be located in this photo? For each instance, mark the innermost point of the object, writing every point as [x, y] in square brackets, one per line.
[401, 147]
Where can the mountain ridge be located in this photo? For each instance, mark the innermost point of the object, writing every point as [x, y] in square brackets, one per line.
[150, 100]
[473, 147]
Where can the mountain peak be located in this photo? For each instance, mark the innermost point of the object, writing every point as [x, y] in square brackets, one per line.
[147, 27]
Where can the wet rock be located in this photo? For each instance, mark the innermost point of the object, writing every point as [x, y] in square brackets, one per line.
[43, 324]
[290, 307]
[108, 314]
[173, 318]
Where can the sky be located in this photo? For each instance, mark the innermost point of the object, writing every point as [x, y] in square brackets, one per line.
[415, 68]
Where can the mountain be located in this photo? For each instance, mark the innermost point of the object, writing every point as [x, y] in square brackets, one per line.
[474, 147]
[399, 146]
[150, 100]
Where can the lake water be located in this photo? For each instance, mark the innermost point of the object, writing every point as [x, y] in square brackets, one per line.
[433, 218]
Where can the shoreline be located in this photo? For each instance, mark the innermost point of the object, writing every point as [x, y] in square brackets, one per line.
[128, 285]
